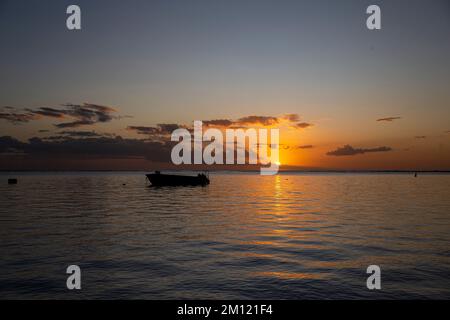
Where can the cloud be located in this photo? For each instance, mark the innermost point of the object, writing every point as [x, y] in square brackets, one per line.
[91, 147]
[16, 116]
[289, 147]
[303, 125]
[74, 124]
[261, 120]
[420, 137]
[8, 143]
[81, 134]
[160, 130]
[66, 135]
[292, 117]
[48, 112]
[168, 128]
[389, 119]
[143, 129]
[218, 122]
[86, 114]
[348, 150]
[77, 114]
[53, 138]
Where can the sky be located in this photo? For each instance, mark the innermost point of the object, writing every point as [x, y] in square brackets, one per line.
[106, 95]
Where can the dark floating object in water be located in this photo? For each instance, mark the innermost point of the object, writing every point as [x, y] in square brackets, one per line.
[159, 179]
[12, 181]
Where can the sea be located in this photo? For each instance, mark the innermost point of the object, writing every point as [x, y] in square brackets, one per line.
[244, 236]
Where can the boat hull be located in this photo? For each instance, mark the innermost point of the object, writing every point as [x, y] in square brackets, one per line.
[157, 179]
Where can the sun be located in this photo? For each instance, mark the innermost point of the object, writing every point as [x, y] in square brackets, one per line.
[278, 163]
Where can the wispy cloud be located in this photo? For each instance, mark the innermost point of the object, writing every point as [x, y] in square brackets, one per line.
[218, 123]
[143, 129]
[168, 128]
[86, 114]
[261, 120]
[348, 150]
[49, 112]
[306, 146]
[389, 119]
[159, 130]
[81, 134]
[303, 125]
[292, 119]
[291, 147]
[16, 116]
[76, 114]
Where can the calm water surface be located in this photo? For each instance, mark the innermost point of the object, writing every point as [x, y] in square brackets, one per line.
[291, 236]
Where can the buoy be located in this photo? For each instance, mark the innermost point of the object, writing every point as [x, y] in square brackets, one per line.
[12, 181]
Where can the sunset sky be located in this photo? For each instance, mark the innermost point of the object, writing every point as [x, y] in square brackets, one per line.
[344, 97]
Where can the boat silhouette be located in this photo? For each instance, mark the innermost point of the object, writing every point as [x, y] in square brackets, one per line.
[160, 179]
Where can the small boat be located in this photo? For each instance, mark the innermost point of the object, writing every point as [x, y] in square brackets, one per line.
[160, 179]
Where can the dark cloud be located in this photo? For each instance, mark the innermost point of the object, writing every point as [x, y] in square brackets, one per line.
[77, 114]
[94, 147]
[168, 128]
[8, 143]
[288, 147]
[218, 122]
[292, 117]
[143, 130]
[86, 114]
[161, 129]
[348, 150]
[306, 146]
[303, 125]
[74, 124]
[81, 134]
[52, 138]
[16, 116]
[389, 119]
[48, 112]
[261, 120]
[77, 135]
